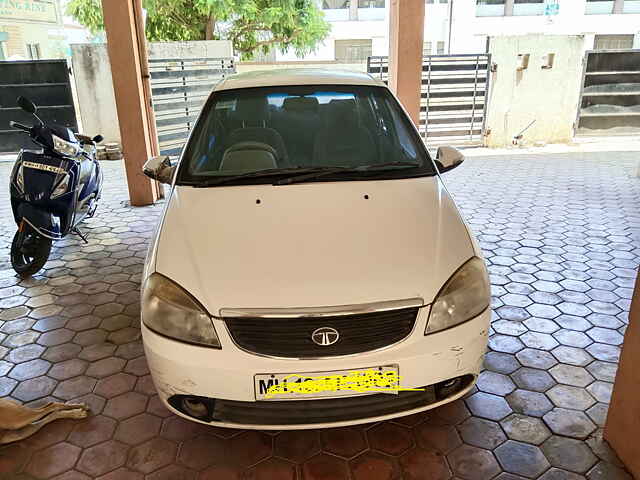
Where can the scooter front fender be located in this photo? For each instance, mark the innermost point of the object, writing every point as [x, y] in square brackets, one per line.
[45, 223]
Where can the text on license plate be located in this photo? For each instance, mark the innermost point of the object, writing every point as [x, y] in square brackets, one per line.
[337, 383]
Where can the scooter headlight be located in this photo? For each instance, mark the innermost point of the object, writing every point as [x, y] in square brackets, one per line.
[64, 147]
[62, 187]
[465, 296]
[20, 179]
[169, 310]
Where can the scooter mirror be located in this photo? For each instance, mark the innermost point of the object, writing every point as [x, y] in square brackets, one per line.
[27, 105]
[97, 139]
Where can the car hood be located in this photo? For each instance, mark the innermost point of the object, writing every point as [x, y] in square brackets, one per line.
[312, 244]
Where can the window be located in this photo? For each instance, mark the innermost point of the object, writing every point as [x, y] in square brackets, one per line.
[33, 50]
[613, 42]
[370, 3]
[490, 8]
[427, 48]
[2, 56]
[312, 126]
[335, 4]
[440, 48]
[631, 6]
[353, 51]
[599, 7]
[528, 7]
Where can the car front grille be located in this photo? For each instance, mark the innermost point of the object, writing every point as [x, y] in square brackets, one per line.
[291, 337]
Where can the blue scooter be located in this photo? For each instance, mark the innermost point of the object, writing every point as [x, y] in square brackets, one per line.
[52, 189]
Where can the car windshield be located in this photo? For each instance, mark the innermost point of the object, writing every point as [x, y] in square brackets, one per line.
[342, 131]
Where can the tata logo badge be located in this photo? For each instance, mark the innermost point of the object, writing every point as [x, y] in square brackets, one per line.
[325, 336]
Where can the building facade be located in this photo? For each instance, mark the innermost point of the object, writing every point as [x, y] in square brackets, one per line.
[604, 24]
[37, 29]
[360, 28]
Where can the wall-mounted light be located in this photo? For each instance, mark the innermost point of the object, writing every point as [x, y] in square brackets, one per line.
[547, 61]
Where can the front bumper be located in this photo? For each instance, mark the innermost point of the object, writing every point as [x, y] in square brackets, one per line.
[182, 369]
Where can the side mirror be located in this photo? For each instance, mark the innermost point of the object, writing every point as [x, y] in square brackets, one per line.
[448, 158]
[160, 168]
[27, 105]
[97, 139]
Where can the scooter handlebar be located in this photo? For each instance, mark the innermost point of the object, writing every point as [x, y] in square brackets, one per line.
[19, 126]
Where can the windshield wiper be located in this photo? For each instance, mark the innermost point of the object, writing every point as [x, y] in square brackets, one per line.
[257, 174]
[385, 165]
[315, 173]
[321, 171]
[299, 174]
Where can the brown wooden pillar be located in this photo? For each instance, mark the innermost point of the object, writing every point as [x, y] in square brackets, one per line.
[622, 429]
[127, 54]
[406, 33]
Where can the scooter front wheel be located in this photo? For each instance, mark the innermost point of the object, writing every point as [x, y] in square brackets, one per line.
[29, 252]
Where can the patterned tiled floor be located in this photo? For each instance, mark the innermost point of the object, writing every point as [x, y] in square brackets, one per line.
[561, 236]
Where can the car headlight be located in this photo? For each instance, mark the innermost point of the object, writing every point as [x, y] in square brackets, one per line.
[169, 310]
[61, 187]
[465, 295]
[64, 147]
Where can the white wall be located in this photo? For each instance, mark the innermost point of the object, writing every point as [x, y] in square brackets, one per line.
[94, 87]
[548, 96]
[197, 49]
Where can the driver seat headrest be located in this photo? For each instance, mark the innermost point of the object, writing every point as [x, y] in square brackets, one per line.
[248, 157]
[252, 110]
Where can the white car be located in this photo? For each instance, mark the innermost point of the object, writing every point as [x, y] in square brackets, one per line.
[308, 238]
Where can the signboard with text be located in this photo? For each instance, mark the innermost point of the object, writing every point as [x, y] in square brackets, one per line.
[30, 10]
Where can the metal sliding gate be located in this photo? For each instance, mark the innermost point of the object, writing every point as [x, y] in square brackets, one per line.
[179, 88]
[47, 83]
[453, 96]
[610, 96]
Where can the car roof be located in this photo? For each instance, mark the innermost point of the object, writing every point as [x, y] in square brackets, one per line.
[296, 76]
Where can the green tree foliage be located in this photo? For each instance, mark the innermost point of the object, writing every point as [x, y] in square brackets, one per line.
[251, 25]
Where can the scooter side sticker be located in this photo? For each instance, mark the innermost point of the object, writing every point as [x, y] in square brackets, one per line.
[41, 166]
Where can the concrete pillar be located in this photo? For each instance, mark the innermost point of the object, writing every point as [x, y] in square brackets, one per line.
[623, 421]
[406, 34]
[123, 22]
